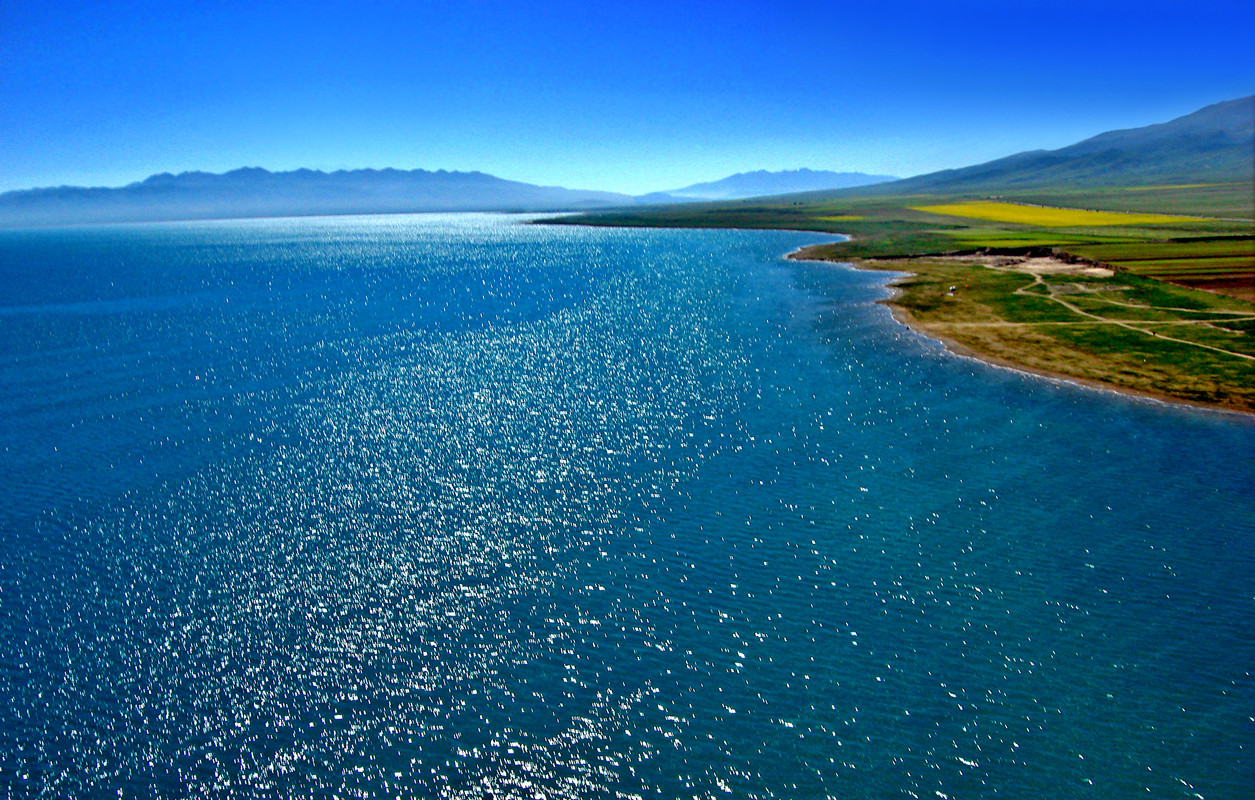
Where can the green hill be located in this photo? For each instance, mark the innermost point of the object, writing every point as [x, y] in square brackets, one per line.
[1215, 144]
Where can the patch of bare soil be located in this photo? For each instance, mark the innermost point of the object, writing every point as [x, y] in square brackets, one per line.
[1242, 287]
[1035, 265]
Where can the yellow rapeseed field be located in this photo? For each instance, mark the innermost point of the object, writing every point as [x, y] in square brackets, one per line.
[1044, 217]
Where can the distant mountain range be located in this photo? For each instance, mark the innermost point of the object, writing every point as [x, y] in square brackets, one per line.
[255, 192]
[1213, 145]
[763, 183]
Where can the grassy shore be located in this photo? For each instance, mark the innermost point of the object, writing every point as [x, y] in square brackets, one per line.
[1143, 289]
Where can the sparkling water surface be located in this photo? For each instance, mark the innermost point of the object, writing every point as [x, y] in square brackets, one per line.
[456, 506]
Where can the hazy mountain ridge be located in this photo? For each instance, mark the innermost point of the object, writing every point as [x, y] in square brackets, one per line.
[762, 183]
[257, 192]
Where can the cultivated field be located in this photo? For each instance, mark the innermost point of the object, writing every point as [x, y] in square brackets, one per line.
[1045, 216]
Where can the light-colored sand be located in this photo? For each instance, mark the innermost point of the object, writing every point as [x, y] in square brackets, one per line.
[1041, 265]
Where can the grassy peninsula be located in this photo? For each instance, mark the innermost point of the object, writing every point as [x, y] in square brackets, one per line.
[1144, 288]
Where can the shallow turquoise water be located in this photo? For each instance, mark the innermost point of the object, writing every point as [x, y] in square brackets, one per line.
[451, 506]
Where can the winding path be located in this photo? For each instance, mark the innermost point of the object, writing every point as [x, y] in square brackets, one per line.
[1052, 295]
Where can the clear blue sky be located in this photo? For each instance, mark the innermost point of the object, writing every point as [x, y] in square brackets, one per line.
[632, 96]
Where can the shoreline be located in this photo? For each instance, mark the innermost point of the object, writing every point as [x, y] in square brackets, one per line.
[904, 317]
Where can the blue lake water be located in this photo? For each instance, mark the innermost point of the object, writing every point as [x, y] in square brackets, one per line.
[454, 506]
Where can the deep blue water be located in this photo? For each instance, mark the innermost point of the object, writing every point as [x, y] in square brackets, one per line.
[452, 506]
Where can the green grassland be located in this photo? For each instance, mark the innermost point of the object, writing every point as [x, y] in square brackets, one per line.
[1147, 327]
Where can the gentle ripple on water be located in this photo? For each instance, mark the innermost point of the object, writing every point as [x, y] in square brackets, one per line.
[454, 507]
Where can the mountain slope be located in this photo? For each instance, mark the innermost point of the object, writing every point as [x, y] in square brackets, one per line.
[1214, 144]
[763, 183]
[255, 192]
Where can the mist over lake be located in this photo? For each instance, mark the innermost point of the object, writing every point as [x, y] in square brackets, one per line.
[458, 506]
